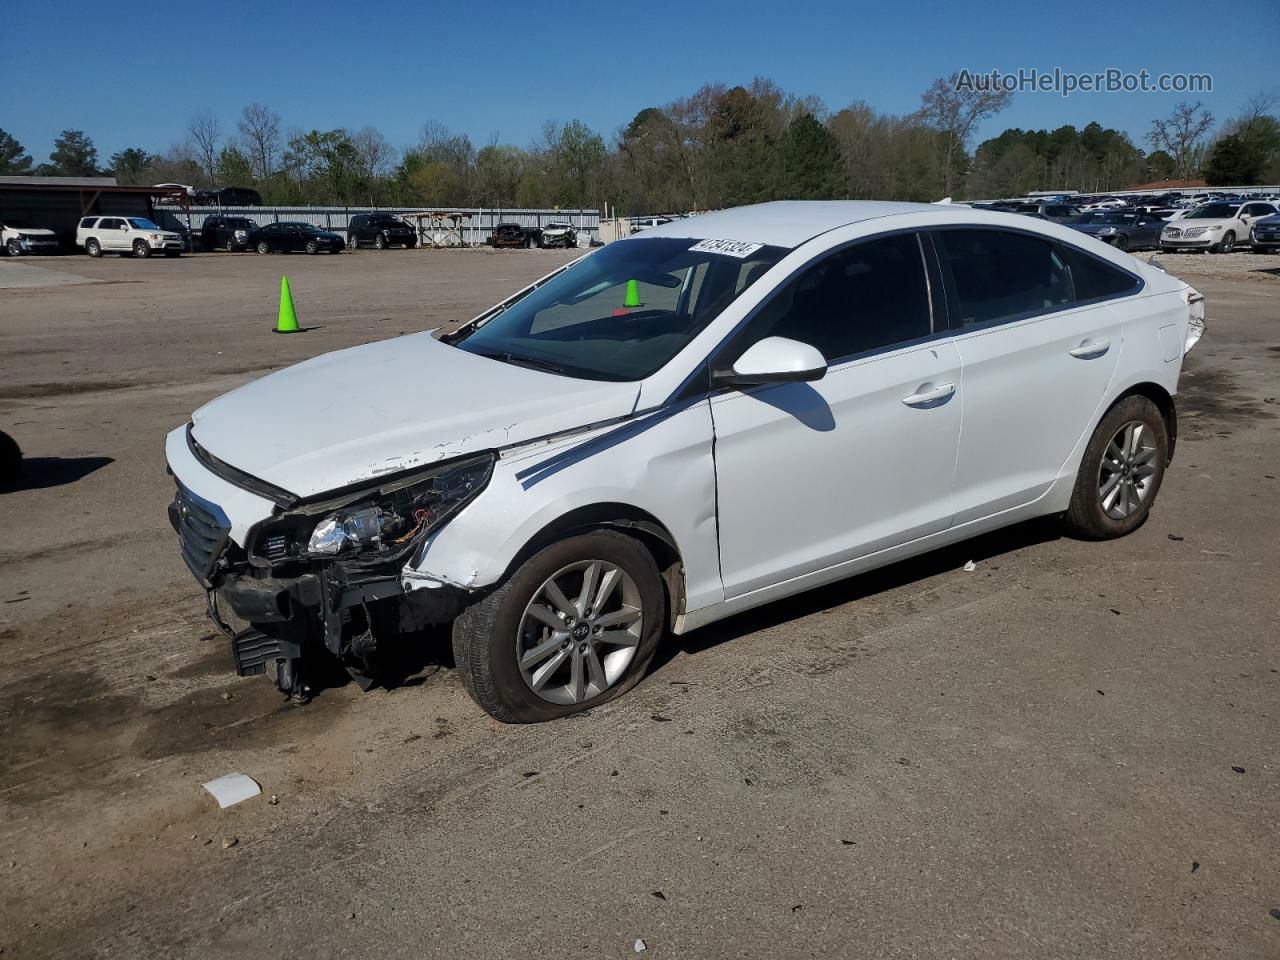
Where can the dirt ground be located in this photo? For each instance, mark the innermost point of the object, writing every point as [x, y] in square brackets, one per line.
[1068, 752]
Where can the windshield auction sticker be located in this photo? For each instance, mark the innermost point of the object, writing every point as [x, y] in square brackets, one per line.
[730, 248]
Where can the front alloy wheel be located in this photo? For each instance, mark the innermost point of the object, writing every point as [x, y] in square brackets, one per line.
[571, 650]
[574, 627]
[141, 249]
[264, 247]
[312, 247]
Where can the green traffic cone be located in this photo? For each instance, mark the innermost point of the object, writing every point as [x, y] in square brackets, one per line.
[288, 319]
[632, 298]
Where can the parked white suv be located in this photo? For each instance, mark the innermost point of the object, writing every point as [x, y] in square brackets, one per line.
[127, 236]
[685, 424]
[1217, 227]
[18, 237]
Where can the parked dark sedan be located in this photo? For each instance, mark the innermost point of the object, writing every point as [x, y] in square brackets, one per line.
[1265, 235]
[382, 230]
[288, 237]
[1056, 212]
[1124, 231]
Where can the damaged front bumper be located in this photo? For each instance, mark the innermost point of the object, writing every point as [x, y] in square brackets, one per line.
[323, 576]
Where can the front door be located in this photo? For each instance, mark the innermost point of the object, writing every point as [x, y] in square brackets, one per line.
[812, 474]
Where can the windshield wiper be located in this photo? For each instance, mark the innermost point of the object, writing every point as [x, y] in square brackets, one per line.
[523, 361]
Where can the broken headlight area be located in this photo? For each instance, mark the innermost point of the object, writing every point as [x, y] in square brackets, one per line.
[371, 527]
[324, 576]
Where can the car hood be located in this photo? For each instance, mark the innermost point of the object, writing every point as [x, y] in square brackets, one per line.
[1098, 227]
[31, 231]
[1187, 222]
[1271, 221]
[353, 415]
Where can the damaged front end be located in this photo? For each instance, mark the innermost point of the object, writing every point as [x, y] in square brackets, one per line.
[322, 577]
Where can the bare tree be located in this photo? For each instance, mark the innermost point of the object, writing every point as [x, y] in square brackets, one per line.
[260, 129]
[1180, 135]
[206, 133]
[376, 155]
[954, 109]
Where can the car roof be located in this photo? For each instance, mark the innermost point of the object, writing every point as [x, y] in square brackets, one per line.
[788, 223]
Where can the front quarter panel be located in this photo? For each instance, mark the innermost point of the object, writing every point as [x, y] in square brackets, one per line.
[660, 463]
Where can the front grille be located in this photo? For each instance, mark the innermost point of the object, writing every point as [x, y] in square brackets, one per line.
[1193, 231]
[1172, 232]
[202, 532]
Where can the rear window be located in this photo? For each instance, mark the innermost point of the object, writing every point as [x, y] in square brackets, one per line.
[997, 275]
[1092, 279]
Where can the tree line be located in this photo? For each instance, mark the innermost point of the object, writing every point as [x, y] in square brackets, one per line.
[720, 146]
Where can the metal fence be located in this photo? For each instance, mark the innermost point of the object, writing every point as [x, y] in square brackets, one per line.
[475, 224]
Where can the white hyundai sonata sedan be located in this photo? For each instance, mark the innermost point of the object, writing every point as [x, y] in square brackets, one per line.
[677, 427]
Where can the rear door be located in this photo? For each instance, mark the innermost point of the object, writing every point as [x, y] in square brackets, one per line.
[1037, 361]
[809, 475]
[112, 235]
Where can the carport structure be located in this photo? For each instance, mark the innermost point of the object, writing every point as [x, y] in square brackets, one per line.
[58, 203]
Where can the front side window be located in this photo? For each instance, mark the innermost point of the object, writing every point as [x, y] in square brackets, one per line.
[111, 223]
[622, 313]
[868, 296]
[997, 275]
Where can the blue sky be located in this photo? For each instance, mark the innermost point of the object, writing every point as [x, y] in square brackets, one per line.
[134, 74]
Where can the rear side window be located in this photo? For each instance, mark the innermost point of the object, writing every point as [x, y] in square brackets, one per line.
[1092, 279]
[997, 275]
[88, 222]
[868, 296]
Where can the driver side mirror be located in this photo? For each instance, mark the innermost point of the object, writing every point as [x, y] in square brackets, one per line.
[773, 360]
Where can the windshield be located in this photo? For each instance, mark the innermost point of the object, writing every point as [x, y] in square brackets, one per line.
[623, 312]
[1212, 211]
[1112, 218]
[142, 223]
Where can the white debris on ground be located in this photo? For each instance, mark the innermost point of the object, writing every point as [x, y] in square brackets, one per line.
[232, 789]
[970, 566]
[641, 946]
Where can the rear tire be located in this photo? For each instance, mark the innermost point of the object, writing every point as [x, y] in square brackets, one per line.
[312, 247]
[93, 248]
[380, 242]
[1121, 471]
[1122, 243]
[487, 635]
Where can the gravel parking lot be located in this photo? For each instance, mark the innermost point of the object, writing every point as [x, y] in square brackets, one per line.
[1067, 752]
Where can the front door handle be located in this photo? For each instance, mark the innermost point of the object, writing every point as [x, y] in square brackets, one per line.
[928, 397]
[1091, 349]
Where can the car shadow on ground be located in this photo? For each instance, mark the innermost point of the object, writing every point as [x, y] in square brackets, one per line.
[39, 473]
[900, 574]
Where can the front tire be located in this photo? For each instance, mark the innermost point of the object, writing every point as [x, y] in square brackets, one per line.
[14, 248]
[141, 249]
[574, 627]
[312, 247]
[1121, 471]
[1122, 243]
[1227, 243]
[380, 242]
[264, 247]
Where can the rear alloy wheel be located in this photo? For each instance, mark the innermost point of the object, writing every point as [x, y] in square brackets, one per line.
[141, 249]
[312, 247]
[1121, 471]
[352, 242]
[576, 626]
[1227, 243]
[264, 247]
[92, 247]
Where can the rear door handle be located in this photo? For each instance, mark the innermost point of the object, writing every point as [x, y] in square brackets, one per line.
[1091, 349]
[925, 398]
